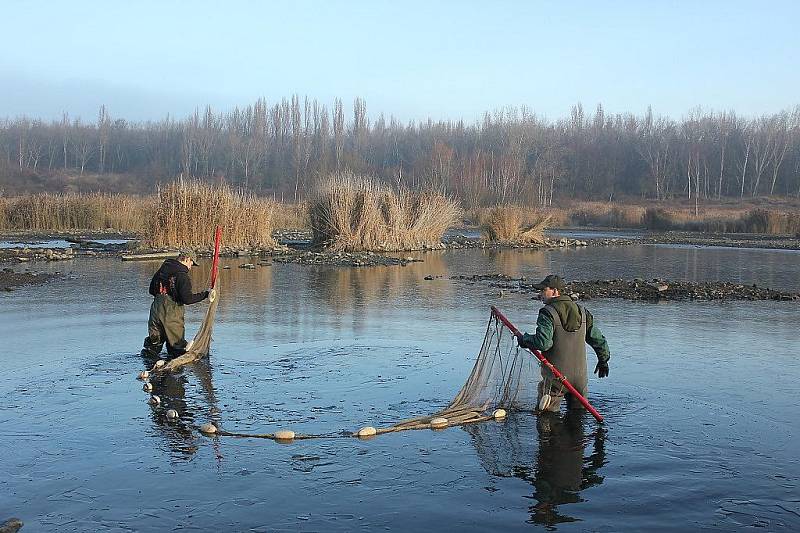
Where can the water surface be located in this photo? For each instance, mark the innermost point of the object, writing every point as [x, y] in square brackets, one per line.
[699, 404]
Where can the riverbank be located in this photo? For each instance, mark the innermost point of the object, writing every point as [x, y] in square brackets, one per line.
[653, 290]
[294, 246]
[11, 280]
[733, 240]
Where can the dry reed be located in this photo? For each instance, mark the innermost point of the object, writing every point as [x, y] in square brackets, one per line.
[291, 216]
[606, 215]
[187, 212]
[512, 224]
[69, 212]
[353, 213]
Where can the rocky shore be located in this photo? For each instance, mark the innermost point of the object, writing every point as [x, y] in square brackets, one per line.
[732, 240]
[11, 280]
[638, 289]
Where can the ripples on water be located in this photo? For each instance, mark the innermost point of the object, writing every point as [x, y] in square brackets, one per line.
[698, 435]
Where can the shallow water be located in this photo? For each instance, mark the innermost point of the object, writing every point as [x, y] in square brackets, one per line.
[699, 404]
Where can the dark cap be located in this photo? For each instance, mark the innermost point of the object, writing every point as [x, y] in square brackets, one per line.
[552, 281]
[188, 254]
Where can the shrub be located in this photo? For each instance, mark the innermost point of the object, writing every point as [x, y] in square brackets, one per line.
[187, 211]
[515, 225]
[353, 213]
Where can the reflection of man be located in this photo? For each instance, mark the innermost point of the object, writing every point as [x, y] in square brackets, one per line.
[561, 472]
[171, 390]
[563, 329]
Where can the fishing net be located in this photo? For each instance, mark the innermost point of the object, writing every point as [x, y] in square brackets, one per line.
[200, 345]
[504, 377]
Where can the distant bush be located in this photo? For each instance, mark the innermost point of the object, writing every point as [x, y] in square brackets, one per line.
[607, 215]
[770, 222]
[72, 211]
[656, 218]
[187, 211]
[355, 213]
[512, 224]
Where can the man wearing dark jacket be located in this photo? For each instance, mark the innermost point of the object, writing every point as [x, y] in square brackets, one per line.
[171, 288]
[563, 329]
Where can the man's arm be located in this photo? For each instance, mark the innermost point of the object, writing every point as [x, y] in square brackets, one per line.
[183, 286]
[595, 339]
[542, 340]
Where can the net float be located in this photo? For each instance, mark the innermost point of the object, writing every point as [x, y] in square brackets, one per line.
[209, 428]
[439, 423]
[284, 435]
[544, 403]
[368, 431]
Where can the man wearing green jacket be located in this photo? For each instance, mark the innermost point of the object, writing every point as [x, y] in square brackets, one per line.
[563, 329]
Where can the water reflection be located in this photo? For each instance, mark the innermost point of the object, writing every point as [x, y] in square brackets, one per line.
[517, 262]
[355, 288]
[560, 468]
[171, 389]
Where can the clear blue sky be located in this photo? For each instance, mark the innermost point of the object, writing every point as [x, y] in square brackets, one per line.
[448, 59]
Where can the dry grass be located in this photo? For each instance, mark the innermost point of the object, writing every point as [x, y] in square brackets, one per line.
[187, 212]
[512, 224]
[724, 220]
[770, 222]
[352, 213]
[68, 212]
[291, 216]
[606, 215]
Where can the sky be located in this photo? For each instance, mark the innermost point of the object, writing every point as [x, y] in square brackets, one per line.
[445, 60]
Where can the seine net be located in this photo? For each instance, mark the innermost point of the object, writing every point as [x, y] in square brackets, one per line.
[201, 344]
[503, 377]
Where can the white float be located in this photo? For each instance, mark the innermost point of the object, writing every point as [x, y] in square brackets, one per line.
[284, 434]
[368, 431]
[209, 428]
[439, 423]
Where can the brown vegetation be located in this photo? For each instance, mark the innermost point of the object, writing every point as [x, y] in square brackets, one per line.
[756, 220]
[291, 216]
[511, 224]
[606, 214]
[188, 211]
[66, 212]
[352, 213]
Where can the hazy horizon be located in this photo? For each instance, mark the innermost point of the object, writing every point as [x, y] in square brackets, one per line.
[447, 61]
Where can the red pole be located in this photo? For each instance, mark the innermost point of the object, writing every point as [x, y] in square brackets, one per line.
[215, 264]
[559, 376]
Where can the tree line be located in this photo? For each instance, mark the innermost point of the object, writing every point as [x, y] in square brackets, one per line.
[510, 156]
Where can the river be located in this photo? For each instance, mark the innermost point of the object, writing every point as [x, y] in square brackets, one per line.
[699, 404]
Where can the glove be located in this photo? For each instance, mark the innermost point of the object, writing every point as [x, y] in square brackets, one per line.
[601, 369]
[212, 295]
[521, 341]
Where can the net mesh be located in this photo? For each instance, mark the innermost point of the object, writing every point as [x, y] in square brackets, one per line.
[503, 377]
[200, 345]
